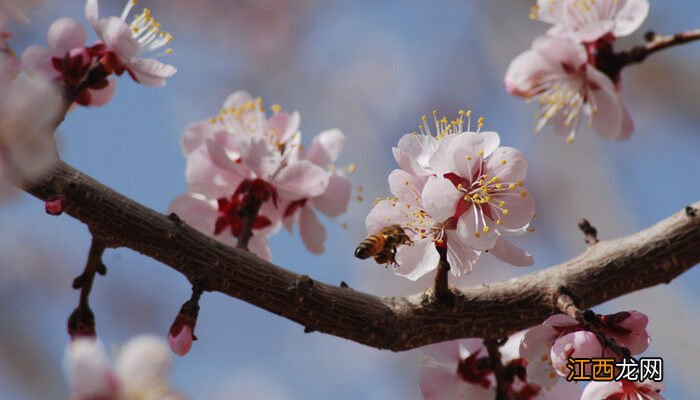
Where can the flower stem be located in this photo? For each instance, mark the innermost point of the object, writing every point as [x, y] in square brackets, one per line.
[441, 288]
[249, 213]
[492, 345]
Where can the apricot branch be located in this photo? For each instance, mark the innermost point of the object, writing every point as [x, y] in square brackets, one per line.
[602, 272]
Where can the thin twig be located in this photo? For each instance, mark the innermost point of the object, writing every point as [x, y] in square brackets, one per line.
[93, 266]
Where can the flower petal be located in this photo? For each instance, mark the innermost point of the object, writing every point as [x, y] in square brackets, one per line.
[143, 364]
[440, 383]
[326, 147]
[417, 260]
[630, 17]
[334, 201]
[64, 35]
[259, 246]
[301, 179]
[88, 369]
[151, 72]
[579, 344]
[196, 211]
[508, 164]
[535, 347]
[608, 115]
[102, 96]
[312, 231]
[511, 254]
[383, 214]
[476, 231]
[461, 257]
[440, 198]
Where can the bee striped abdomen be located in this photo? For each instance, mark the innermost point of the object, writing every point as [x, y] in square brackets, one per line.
[370, 246]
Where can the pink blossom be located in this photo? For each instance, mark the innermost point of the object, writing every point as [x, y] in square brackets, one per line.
[556, 73]
[479, 188]
[67, 58]
[241, 154]
[28, 111]
[324, 151]
[16, 10]
[589, 20]
[460, 369]
[547, 347]
[623, 390]
[126, 44]
[140, 371]
[440, 209]
[455, 370]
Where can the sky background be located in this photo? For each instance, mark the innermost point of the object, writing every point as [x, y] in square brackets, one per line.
[371, 69]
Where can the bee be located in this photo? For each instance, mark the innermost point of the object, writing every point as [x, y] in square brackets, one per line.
[383, 245]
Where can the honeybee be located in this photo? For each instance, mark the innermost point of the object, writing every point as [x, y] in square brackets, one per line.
[383, 245]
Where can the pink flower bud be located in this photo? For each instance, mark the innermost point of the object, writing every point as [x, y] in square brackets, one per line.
[55, 205]
[181, 334]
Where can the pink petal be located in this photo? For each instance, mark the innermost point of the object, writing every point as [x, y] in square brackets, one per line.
[579, 344]
[521, 209]
[511, 254]
[444, 352]
[592, 31]
[608, 117]
[181, 344]
[301, 179]
[535, 348]
[638, 340]
[36, 61]
[259, 246]
[255, 153]
[220, 154]
[312, 231]
[383, 214]
[439, 383]
[406, 187]
[326, 147]
[440, 198]
[143, 363]
[560, 52]
[334, 201]
[103, 96]
[466, 151]
[461, 257]
[601, 390]
[196, 211]
[92, 11]
[508, 164]
[237, 99]
[286, 125]
[151, 72]
[195, 134]
[64, 35]
[630, 17]
[553, 12]
[472, 230]
[524, 73]
[413, 152]
[416, 260]
[117, 35]
[89, 371]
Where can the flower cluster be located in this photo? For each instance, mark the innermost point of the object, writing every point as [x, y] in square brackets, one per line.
[547, 347]
[122, 47]
[565, 71]
[461, 369]
[139, 373]
[457, 191]
[244, 167]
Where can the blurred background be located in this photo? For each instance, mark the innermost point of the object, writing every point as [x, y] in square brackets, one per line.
[371, 69]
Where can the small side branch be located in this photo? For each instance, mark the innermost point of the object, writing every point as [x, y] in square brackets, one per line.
[82, 320]
[657, 43]
[589, 231]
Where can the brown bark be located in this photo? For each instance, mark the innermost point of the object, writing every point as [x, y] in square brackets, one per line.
[602, 272]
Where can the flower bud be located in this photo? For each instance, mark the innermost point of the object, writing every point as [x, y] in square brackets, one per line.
[81, 323]
[181, 333]
[55, 205]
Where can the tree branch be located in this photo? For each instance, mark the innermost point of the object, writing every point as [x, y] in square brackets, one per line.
[605, 271]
